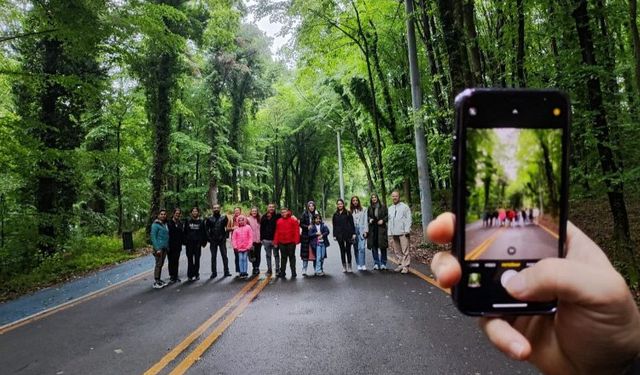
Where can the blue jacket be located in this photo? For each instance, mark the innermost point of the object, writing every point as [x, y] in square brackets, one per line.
[159, 235]
[313, 235]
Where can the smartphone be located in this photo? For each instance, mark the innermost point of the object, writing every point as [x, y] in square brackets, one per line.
[510, 192]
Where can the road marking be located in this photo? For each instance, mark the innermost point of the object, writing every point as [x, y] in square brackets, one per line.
[554, 234]
[52, 310]
[477, 252]
[175, 352]
[204, 345]
[424, 277]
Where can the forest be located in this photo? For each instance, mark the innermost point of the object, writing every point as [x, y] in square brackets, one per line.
[113, 109]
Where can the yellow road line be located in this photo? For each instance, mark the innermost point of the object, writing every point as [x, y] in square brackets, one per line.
[424, 277]
[554, 234]
[52, 310]
[475, 253]
[175, 352]
[204, 345]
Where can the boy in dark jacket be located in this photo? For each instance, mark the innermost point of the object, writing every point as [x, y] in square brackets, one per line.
[319, 241]
[216, 227]
[196, 239]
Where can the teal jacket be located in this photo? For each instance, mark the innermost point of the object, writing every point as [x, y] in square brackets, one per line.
[159, 235]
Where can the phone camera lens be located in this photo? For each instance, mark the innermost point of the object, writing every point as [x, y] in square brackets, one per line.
[473, 111]
[515, 111]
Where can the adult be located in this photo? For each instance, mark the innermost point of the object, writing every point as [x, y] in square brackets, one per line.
[596, 328]
[344, 233]
[176, 240]
[196, 239]
[216, 227]
[377, 239]
[254, 255]
[160, 243]
[286, 237]
[361, 227]
[306, 222]
[399, 229]
[267, 231]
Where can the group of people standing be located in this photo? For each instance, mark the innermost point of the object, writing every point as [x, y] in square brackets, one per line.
[510, 217]
[376, 227]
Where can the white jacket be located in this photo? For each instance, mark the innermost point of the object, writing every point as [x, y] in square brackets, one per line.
[360, 221]
[399, 219]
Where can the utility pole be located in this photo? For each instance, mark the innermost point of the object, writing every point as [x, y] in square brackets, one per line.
[338, 131]
[421, 142]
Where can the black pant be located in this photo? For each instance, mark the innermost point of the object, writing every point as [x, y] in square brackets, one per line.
[237, 259]
[193, 260]
[257, 248]
[214, 246]
[288, 251]
[345, 250]
[174, 260]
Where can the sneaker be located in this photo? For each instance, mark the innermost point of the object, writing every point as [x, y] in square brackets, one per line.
[375, 267]
[269, 272]
[321, 273]
[172, 281]
[344, 268]
[197, 278]
[363, 268]
[280, 275]
[158, 285]
[256, 271]
[398, 269]
[213, 276]
[383, 267]
[227, 274]
[190, 279]
[349, 268]
[178, 280]
[405, 270]
[304, 272]
[294, 275]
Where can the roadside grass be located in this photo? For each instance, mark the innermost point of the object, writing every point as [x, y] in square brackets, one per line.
[81, 256]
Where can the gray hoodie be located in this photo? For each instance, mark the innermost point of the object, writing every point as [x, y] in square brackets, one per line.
[399, 219]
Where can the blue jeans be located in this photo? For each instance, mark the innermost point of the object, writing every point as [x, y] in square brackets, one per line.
[379, 260]
[359, 247]
[244, 261]
[321, 251]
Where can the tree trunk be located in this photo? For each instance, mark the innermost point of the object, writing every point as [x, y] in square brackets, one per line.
[612, 173]
[521, 47]
[635, 39]
[452, 41]
[472, 37]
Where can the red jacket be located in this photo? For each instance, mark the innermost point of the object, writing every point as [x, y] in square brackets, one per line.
[287, 232]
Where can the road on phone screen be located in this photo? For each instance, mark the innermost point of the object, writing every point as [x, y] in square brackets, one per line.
[371, 322]
[529, 241]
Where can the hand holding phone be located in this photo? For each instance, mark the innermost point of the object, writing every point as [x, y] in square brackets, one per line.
[597, 325]
[510, 192]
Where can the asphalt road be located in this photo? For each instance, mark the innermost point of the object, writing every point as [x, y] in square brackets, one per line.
[518, 242]
[362, 323]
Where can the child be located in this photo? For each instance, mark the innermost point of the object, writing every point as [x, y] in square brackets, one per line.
[319, 241]
[286, 237]
[242, 240]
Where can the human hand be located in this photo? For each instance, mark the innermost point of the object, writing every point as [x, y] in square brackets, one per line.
[380, 222]
[596, 329]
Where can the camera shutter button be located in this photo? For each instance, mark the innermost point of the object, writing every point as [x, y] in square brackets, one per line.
[506, 275]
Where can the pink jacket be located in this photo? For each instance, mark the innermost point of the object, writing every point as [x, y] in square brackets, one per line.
[242, 238]
[255, 227]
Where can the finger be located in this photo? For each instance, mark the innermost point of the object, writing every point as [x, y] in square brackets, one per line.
[566, 280]
[582, 248]
[506, 338]
[441, 229]
[446, 268]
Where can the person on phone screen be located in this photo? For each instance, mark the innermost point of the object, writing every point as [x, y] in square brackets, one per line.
[399, 229]
[596, 328]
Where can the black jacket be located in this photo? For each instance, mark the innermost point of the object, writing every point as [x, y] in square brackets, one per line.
[343, 227]
[268, 226]
[194, 232]
[176, 235]
[216, 228]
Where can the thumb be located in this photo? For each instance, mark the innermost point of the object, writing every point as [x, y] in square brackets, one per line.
[564, 280]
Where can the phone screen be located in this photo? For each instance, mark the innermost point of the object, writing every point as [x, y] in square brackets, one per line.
[512, 202]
